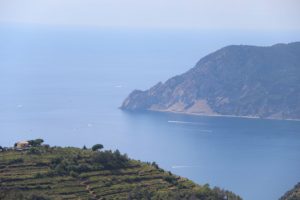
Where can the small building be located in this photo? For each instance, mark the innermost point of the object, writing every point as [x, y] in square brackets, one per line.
[22, 145]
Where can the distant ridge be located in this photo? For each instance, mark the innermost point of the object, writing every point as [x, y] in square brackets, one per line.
[237, 80]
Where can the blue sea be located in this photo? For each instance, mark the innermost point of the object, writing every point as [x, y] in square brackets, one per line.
[65, 85]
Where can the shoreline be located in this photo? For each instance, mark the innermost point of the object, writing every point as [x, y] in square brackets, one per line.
[219, 115]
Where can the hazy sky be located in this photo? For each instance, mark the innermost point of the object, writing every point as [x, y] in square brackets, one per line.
[199, 14]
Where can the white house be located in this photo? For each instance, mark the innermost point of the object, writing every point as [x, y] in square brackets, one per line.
[22, 145]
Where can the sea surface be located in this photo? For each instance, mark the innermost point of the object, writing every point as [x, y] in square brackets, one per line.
[65, 85]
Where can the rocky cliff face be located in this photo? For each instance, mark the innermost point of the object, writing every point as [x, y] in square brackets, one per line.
[236, 80]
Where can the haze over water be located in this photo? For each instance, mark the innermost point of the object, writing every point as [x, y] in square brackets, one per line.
[65, 86]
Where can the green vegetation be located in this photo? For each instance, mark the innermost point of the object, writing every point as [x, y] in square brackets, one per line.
[36, 142]
[43, 172]
[97, 147]
[293, 194]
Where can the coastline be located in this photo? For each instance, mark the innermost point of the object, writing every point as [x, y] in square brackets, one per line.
[219, 115]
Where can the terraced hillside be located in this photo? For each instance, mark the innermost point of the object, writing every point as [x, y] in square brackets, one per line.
[45, 172]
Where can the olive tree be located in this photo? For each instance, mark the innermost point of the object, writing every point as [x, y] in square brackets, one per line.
[97, 147]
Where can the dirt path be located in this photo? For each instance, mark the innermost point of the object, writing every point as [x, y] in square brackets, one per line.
[89, 189]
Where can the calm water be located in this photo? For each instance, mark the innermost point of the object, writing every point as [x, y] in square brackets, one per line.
[66, 85]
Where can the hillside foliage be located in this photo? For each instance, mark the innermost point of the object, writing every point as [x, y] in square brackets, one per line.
[44, 172]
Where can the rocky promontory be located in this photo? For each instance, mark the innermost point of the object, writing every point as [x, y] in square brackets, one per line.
[237, 80]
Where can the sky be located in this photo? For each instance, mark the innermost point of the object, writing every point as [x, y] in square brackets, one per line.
[179, 14]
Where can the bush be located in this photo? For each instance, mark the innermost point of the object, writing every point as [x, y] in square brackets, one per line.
[110, 160]
[69, 165]
[83, 168]
[15, 161]
[74, 174]
[22, 195]
[56, 161]
[41, 164]
[38, 175]
[60, 170]
[140, 193]
[38, 197]
[50, 173]
[34, 150]
[170, 179]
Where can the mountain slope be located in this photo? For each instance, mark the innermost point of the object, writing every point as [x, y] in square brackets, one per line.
[293, 194]
[236, 80]
[70, 173]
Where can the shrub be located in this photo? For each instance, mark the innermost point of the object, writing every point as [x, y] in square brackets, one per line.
[170, 179]
[21, 195]
[140, 193]
[74, 174]
[110, 160]
[38, 175]
[15, 161]
[83, 168]
[50, 173]
[37, 197]
[60, 170]
[41, 164]
[34, 150]
[57, 160]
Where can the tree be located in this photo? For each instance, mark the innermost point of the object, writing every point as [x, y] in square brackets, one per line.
[97, 147]
[36, 142]
[84, 147]
[154, 164]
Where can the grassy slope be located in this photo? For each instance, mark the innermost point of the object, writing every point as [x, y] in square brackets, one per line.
[72, 173]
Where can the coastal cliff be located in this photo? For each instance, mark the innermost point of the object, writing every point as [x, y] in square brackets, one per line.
[237, 80]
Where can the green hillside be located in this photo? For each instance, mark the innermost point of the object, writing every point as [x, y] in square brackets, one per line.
[43, 172]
